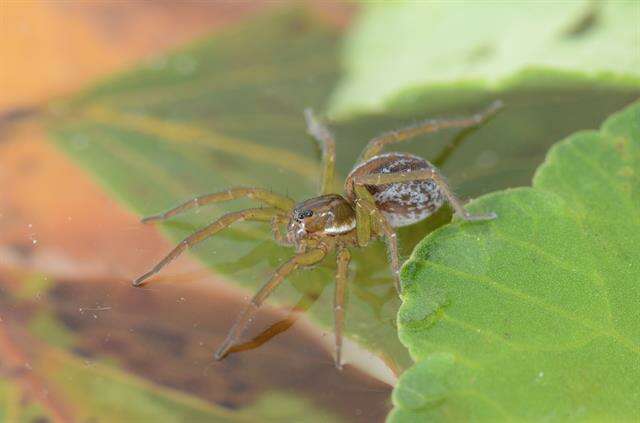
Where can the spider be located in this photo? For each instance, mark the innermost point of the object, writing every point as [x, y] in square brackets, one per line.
[384, 191]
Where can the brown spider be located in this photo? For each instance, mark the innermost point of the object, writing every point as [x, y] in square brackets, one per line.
[383, 192]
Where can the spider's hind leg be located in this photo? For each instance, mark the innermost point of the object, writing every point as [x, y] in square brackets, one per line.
[377, 144]
[328, 146]
[266, 214]
[369, 218]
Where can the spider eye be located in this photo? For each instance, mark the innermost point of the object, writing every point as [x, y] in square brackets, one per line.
[305, 213]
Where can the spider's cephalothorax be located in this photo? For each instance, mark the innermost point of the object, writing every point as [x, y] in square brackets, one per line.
[382, 192]
[319, 217]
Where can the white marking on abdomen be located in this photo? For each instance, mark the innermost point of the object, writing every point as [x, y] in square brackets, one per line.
[345, 227]
[399, 220]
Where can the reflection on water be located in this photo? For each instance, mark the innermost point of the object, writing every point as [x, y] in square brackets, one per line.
[167, 335]
[276, 328]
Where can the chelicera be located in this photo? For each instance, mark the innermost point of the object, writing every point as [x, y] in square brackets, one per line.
[384, 191]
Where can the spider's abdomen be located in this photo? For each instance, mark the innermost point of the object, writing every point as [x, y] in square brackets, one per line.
[403, 203]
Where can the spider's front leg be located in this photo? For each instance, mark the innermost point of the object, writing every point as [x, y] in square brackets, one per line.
[258, 194]
[305, 259]
[343, 259]
[276, 229]
[368, 218]
[261, 215]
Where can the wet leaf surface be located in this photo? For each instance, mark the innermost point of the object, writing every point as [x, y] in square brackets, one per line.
[56, 222]
[74, 297]
[174, 137]
[103, 392]
[227, 111]
[533, 316]
[94, 336]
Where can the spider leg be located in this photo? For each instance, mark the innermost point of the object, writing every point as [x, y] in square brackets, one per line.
[372, 217]
[304, 259]
[392, 246]
[363, 215]
[344, 257]
[375, 146]
[328, 146]
[276, 221]
[280, 326]
[426, 174]
[259, 194]
[224, 221]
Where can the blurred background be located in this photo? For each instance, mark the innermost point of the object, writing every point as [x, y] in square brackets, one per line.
[112, 110]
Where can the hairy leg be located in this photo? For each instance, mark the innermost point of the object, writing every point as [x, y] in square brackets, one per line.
[380, 225]
[392, 246]
[226, 220]
[377, 144]
[344, 257]
[276, 328]
[259, 194]
[304, 259]
[426, 174]
[276, 229]
[328, 146]
[363, 215]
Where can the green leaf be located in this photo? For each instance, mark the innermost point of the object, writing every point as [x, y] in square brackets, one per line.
[448, 52]
[533, 316]
[227, 111]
